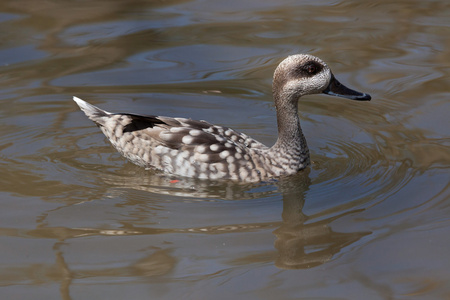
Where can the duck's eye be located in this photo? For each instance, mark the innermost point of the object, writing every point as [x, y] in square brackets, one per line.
[311, 69]
[308, 69]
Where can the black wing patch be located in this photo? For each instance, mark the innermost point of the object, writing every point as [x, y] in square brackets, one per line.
[141, 122]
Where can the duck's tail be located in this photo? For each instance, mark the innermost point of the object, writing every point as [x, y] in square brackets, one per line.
[93, 112]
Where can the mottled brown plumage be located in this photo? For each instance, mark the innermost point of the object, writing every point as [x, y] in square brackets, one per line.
[199, 149]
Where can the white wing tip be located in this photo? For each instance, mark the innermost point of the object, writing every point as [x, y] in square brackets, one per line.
[79, 101]
[89, 109]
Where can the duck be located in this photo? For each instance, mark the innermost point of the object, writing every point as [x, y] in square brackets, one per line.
[198, 149]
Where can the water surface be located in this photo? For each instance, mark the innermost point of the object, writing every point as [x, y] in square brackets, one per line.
[368, 220]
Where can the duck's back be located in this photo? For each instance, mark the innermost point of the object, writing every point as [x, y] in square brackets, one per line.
[180, 146]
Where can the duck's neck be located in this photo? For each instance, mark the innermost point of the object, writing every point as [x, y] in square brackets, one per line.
[291, 143]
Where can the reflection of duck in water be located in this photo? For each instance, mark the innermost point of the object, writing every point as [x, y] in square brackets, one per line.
[199, 149]
[307, 241]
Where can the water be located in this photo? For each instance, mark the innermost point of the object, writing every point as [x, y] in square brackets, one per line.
[368, 220]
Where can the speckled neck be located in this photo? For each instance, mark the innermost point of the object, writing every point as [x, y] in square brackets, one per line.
[291, 141]
[290, 149]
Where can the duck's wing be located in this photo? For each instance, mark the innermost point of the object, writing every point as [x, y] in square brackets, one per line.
[154, 141]
[173, 129]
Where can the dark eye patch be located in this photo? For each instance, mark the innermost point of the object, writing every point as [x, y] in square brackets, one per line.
[311, 69]
[308, 69]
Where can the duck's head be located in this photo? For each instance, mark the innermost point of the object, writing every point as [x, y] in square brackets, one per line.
[304, 74]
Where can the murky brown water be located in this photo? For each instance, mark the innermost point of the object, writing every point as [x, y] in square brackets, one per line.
[368, 220]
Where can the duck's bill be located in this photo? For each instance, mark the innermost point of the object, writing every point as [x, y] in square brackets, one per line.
[335, 88]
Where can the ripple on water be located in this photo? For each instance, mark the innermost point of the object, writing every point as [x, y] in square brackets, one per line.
[355, 172]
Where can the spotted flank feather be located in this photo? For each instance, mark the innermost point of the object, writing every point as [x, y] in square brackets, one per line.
[177, 145]
[199, 149]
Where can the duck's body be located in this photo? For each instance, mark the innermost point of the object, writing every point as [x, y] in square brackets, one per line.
[199, 149]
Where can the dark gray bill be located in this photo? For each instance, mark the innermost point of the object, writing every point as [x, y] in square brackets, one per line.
[335, 88]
